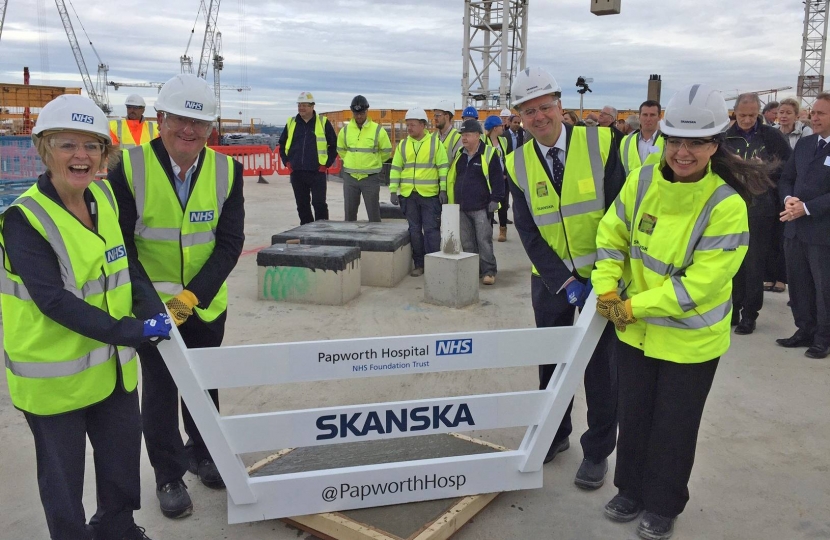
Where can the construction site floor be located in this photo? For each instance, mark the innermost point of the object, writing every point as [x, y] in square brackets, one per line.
[762, 468]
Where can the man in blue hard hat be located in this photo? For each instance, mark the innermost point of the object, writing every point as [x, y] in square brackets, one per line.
[469, 112]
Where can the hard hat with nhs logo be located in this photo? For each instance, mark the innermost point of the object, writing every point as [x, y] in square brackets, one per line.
[71, 112]
[189, 96]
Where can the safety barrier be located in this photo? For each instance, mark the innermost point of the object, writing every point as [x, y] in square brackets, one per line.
[283, 169]
[19, 160]
[255, 160]
[311, 492]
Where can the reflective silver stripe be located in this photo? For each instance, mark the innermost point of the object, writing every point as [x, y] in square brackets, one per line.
[377, 138]
[95, 286]
[139, 171]
[222, 182]
[644, 183]
[625, 153]
[152, 129]
[695, 322]
[655, 265]
[684, 299]
[122, 277]
[605, 253]
[346, 138]
[396, 168]
[721, 193]
[118, 131]
[361, 171]
[125, 355]
[102, 186]
[724, 241]
[419, 166]
[585, 207]
[158, 233]
[13, 288]
[419, 182]
[597, 167]
[119, 124]
[55, 239]
[198, 238]
[620, 208]
[66, 368]
[168, 287]
[432, 144]
[362, 150]
[579, 262]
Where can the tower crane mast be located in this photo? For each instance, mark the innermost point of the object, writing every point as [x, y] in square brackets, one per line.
[211, 15]
[3, 7]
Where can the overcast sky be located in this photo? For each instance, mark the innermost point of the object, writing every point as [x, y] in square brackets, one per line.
[405, 53]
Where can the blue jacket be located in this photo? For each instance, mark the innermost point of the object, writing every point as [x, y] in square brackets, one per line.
[303, 153]
[471, 190]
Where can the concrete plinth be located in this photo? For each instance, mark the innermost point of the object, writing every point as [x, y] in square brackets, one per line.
[389, 211]
[326, 275]
[451, 279]
[385, 253]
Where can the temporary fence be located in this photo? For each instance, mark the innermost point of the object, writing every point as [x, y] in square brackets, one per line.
[20, 165]
[259, 159]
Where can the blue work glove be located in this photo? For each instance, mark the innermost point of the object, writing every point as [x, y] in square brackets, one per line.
[442, 197]
[578, 293]
[393, 198]
[493, 206]
[158, 327]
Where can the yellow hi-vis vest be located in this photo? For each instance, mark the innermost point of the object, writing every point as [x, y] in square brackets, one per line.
[676, 247]
[485, 169]
[630, 152]
[452, 142]
[49, 368]
[174, 243]
[424, 170]
[149, 131]
[363, 149]
[319, 133]
[568, 225]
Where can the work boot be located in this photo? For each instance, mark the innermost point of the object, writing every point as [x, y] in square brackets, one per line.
[174, 500]
[622, 509]
[655, 527]
[135, 533]
[591, 475]
[208, 473]
[745, 327]
[489, 280]
[502, 234]
[557, 448]
[418, 271]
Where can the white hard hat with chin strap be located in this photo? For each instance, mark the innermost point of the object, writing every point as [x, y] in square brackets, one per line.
[71, 112]
[697, 110]
[531, 83]
[189, 96]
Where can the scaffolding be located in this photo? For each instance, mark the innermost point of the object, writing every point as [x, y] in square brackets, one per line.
[813, 51]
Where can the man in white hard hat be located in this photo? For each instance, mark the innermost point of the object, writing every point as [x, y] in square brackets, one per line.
[308, 146]
[418, 182]
[505, 115]
[135, 129]
[447, 134]
[562, 184]
[182, 215]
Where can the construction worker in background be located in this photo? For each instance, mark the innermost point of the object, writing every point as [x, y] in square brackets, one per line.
[644, 146]
[475, 182]
[447, 134]
[418, 182]
[308, 147]
[132, 131]
[469, 112]
[495, 138]
[182, 215]
[68, 297]
[666, 254]
[505, 115]
[562, 183]
[363, 146]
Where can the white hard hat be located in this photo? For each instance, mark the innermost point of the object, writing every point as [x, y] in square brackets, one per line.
[416, 114]
[305, 97]
[189, 96]
[697, 110]
[73, 113]
[532, 83]
[446, 106]
[505, 112]
[134, 100]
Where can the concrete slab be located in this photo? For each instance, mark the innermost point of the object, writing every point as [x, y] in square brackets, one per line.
[389, 211]
[327, 275]
[451, 279]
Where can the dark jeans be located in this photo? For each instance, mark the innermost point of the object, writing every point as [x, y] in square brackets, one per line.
[310, 190]
[160, 404]
[776, 267]
[114, 429]
[424, 217]
[505, 204]
[808, 267]
[661, 404]
[600, 376]
[369, 187]
[748, 283]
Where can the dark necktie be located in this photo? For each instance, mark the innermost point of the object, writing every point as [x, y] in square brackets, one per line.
[821, 144]
[558, 170]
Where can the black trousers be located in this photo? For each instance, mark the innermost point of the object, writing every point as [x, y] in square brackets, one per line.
[310, 190]
[114, 429]
[748, 283]
[776, 268]
[160, 404]
[661, 404]
[808, 269]
[600, 376]
[505, 204]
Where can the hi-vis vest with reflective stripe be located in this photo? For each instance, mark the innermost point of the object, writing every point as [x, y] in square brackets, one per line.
[485, 169]
[630, 151]
[676, 247]
[49, 368]
[501, 148]
[174, 243]
[424, 171]
[583, 195]
[452, 142]
[363, 150]
[319, 133]
[149, 131]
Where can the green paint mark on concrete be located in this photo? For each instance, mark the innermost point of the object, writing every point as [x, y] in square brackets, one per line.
[283, 282]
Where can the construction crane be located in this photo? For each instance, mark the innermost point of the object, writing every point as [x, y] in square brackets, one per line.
[813, 51]
[158, 85]
[762, 93]
[218, 64]
[3, 15]
[97, 94]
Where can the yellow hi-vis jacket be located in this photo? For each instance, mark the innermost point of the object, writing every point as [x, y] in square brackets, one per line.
[363, 149]
[120, 128]
[676, 247]
[174, 243]
[501, 148]
[452, 142]
[630, 152]
[485, 170]
[319, 133]
[49, 368]
[568, 224]
[419, 165]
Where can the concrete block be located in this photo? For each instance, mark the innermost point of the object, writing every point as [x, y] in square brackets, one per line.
[389, 211]
[326, 275]
[451, 279]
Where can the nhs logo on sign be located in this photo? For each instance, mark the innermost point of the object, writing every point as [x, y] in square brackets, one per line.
[85, 118]
[116, 253]
[193, 105]
[453, 346]
[201, 217]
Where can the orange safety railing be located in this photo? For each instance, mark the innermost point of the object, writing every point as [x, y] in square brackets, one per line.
[282, 168]
[255, 159]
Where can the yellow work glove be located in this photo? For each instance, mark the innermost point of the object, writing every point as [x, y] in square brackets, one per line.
[181, 306]
[616, 310]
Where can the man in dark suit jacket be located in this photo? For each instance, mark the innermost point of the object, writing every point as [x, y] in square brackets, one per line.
[515, 132]
[804, 188]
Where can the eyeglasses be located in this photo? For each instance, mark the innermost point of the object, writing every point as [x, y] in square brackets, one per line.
[692, 145]
[176, 122]
[68, 147]
[544, 109]
[135, 106]
[606, 114]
